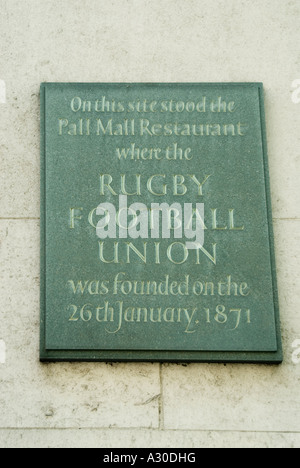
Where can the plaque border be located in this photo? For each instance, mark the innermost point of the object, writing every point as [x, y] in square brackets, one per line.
[249, 357]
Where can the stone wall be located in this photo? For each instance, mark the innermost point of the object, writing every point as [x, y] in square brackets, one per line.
[143, 405]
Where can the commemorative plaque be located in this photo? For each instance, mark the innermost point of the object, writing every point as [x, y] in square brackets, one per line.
[156, 225]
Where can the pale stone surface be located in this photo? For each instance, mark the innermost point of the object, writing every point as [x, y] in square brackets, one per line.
[58, 395]
[142, 40]
[87, 40]
[141, 438]
[245, 397]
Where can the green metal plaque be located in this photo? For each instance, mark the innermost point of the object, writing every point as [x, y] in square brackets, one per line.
[156, 226]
